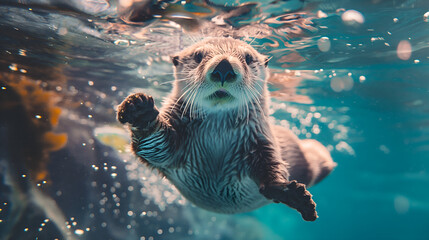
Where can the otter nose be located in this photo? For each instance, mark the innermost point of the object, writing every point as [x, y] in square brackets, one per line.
[223, 72]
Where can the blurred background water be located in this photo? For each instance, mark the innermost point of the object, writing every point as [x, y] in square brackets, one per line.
[351, 74]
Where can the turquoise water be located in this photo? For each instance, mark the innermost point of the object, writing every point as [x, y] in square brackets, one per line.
[351, 74]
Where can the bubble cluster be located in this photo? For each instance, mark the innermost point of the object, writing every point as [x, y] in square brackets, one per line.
[309, 123]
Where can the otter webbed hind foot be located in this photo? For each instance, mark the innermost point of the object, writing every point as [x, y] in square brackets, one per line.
[293, 194]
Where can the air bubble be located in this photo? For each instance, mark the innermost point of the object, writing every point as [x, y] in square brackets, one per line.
[339, 84]
[404, 50]
[352, 18]
[401, 204]
[324, 44]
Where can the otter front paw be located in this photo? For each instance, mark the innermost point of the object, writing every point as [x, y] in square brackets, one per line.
[295, 195]
[138, 110]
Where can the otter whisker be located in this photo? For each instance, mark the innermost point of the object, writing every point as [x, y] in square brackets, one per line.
[178, 80]
[181, 79]
[253, 107]
[192, 100]
[259, 82]
[255, 37]
[187, 97]
[248, 110]
[181, 96]
[183, 108]
[244, 107]
[191, 103]
[259, 79]
[194, 106]
[256, 97]
[187, 105]
[240, 112]
[255, 93]
[241, 109]
[162, 74]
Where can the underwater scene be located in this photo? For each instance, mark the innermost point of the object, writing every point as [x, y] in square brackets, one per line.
[353, 75]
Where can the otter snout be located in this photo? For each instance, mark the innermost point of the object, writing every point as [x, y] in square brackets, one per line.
[223, 72]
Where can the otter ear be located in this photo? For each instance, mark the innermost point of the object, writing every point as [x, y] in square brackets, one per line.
[266, 61]
[175, 60]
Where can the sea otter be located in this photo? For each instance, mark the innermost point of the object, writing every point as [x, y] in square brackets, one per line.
[213, 138]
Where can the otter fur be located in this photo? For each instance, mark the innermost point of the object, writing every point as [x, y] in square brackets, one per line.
[213, 139]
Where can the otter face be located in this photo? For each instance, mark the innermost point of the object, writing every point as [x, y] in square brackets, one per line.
[220, 74]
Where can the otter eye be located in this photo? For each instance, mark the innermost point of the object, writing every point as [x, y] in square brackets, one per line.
[249, 58]
[198, 57]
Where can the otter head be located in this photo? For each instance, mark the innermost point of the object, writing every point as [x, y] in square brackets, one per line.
[220, 74]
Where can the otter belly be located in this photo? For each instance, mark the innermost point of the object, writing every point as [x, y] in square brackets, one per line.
[218, 192]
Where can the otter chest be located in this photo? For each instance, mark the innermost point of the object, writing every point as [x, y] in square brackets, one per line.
[214, 171]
